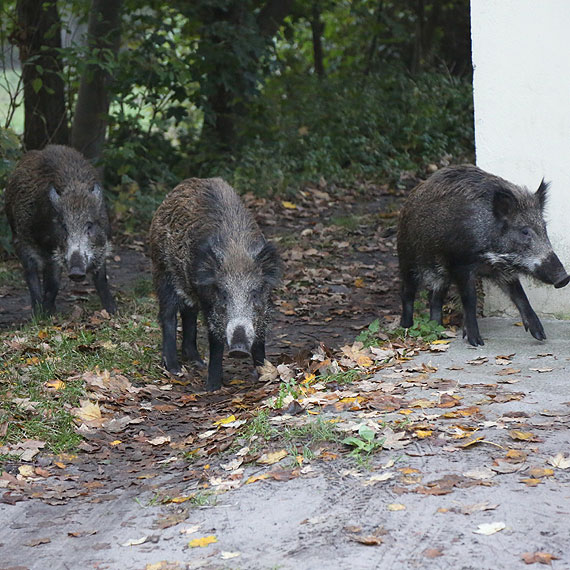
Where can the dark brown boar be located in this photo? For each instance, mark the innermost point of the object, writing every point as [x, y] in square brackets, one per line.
[463, 222]
[209, 254]
[58, 217]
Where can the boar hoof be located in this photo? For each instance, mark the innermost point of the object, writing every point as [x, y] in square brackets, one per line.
[473, 338]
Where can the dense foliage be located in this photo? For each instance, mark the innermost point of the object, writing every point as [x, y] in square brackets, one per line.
[267, 94]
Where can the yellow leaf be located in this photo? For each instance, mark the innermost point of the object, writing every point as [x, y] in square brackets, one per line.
[364, 361]
[531, 482]
[423, 433]
[88, 411]
[516, 454]
[43, 334]
[181, 499]
[359, 282]
[289, 205]
[408, 470]
[255, 478]
[55, 384]
[472, 441]
[115, 442]
[26, 471]
[396, 507]
[271, 458]
[201, 542]
[441, 341]
[539, 472]
[227, 420]
[523, 435]
[60, 464]
[406, 412]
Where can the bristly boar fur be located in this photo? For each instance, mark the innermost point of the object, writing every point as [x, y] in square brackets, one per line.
[463, 222]
[58, 217]
[209, 254]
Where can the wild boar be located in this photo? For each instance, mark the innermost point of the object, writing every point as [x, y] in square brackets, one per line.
[56, 210]
[463, 222]
[209, 254]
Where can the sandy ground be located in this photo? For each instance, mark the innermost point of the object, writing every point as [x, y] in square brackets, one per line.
[422, 516]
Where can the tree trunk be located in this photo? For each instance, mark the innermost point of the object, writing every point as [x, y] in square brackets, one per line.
[92, 107]
[39, 38]
[224, 104]
[317, 28]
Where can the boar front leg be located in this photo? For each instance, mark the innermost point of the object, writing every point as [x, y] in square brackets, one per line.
[52, 276]
[465, 277]
[31, 262]
[258, 350]
[530, 319]
[102, 288]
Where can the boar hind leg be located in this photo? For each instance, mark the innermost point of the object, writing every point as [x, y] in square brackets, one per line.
[52, 275]
[190, 352]
[214, 381]
[167, 310]
[408, 291]
[465, 277]
[102, 288]
[436, 298]
[530, 319]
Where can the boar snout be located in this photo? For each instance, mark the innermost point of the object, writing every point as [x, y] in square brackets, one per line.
[77, 267]
[551, 271]
[240, 347]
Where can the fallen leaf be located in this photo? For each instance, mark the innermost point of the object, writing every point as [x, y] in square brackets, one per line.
[38, 541]
[378, 478]
[521, 435]
[135, 541]
[539, 472]
[55, 384]
[225, 555]
[26, 471]
[541, 370]
[396, 507]
[201, 542]
[508, 371]
[273, 457]
[490, 528]
[289, 205]
[559, 461]
[432, 552]
[540, 557]
[160, 440]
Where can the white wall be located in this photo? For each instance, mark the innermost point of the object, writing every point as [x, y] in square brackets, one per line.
[521, 59]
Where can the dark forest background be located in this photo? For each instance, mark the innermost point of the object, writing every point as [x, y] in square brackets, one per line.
[271, 95]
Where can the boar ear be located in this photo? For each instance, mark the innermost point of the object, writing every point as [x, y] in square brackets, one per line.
[97, 191]
[54, 197]
[542, 193]
[206, 264]
[268, 259]
[503, 202]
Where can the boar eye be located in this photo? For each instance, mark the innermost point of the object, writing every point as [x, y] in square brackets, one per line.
[89, 226]
[525, 231]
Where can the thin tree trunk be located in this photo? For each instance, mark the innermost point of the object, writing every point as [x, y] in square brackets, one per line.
[92, 107]
[317, 29]
[39, 39]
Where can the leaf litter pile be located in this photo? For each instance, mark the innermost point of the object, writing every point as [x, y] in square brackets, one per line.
[86, 410]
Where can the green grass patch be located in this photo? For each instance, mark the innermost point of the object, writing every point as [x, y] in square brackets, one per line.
[41, 360]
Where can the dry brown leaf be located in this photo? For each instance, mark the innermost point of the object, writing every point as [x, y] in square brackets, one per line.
[540, 557]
